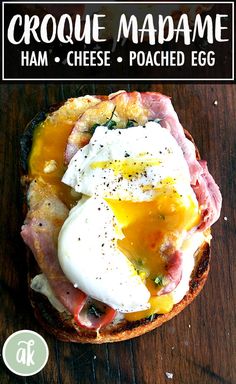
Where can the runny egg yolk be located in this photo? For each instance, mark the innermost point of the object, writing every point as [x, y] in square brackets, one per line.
[49, 143]
[147, 227]
[128, 168]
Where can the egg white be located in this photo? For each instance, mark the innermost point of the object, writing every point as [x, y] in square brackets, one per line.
[89, 257]
[190, 246]
[87, 245]
[132, 147]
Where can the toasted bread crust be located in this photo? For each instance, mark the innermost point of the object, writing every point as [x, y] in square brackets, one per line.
[63, 326]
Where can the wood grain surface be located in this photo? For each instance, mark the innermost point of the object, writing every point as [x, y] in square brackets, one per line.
[199, 345]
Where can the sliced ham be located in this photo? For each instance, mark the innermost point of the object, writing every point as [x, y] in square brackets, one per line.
[160, 107]
[137, 106]
[39, 239]
[93, 314]
[120, 106]
[142, 107]
[81, 133]
[209, 197]
[40, 232]
[173, 273]
[203, 184]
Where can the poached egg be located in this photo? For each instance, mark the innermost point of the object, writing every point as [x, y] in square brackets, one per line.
[137, 205]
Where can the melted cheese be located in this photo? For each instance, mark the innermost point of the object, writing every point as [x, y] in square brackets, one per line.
[40, 284]
[49, 143]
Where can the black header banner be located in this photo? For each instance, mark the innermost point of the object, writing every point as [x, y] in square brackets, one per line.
[148, 41]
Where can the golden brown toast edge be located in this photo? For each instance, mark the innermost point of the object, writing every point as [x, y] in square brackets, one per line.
[62, 326]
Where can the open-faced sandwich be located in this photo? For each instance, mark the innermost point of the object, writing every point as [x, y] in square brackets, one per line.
[119, 210]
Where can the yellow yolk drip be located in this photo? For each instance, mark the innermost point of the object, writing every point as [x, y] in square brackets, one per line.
[158, 304]
[127, 168]
[49, 143]
[148, 227]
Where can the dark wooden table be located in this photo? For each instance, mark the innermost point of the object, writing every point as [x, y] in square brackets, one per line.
[199, 345]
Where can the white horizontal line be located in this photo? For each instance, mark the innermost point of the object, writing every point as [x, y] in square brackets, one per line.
[117, 3]
[114, 79]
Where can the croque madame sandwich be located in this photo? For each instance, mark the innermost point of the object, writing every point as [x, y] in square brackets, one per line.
[119, 210]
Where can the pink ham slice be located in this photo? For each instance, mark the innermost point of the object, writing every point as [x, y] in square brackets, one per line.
[79, 136]
[174, 273]
[158, 106]
[93, 314]
[208, 196]
[125, 105]
[203, 184]
[40, 232]
[39, 239]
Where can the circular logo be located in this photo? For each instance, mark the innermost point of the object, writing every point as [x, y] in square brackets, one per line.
[25, 353]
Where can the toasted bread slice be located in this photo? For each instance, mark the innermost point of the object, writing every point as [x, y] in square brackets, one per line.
[63, 326]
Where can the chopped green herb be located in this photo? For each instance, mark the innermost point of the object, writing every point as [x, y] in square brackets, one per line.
[155, 120]
[139, 262]
[92, 129]
[111, 124]
[159, 280]
[131, 123]
[94, 311]
[150, 318]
